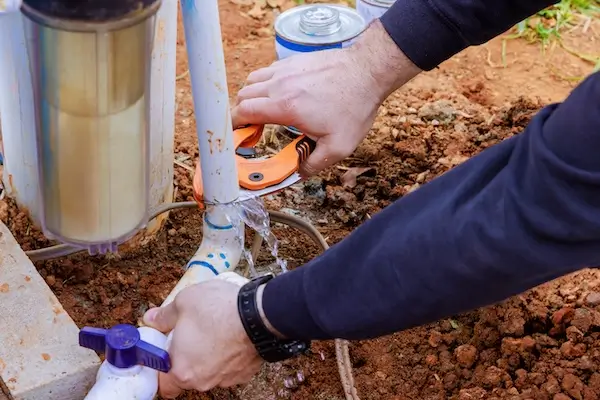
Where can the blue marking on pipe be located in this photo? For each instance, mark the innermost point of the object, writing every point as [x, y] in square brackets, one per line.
[188, 5]
[227, 265]
[222, 255]
[203, 264]
[211, 255]
[216, 227]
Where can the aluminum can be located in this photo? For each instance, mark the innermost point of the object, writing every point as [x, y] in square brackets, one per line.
[372, 9]
[316, 27]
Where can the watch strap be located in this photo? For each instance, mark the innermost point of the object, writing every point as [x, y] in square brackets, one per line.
[267, 344]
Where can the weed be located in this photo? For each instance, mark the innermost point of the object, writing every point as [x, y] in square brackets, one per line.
[547, 26]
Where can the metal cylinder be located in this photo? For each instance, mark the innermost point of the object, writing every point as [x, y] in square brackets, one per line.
[90, 63]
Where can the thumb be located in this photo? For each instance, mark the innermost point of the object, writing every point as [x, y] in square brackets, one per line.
[163, 318]
[319, 159]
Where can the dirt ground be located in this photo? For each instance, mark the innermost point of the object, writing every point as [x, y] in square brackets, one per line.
[543, 344]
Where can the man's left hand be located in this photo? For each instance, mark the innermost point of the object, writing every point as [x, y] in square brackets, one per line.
[210, 347]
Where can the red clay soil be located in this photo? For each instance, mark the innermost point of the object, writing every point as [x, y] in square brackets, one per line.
[542, 345]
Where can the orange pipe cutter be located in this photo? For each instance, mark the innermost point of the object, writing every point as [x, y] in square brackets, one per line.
[263, 176]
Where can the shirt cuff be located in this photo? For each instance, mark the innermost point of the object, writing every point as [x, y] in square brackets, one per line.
[284, 304]
[423, 34]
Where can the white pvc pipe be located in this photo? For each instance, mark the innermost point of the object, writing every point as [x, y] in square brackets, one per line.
[222, 242]
[211, 100]
[17, 120]
[162, 107]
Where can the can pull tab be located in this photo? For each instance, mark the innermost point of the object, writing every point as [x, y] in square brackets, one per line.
[124, 348]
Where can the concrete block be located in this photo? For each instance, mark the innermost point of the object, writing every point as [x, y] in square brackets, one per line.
[40, 358]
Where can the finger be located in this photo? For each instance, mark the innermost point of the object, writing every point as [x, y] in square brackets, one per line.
[256, 90]
[162, 318]
[318, 160]
[260, 75]
[167, 386]
[260, 110]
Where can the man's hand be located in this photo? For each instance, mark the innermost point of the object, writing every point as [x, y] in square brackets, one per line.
[332, 96]
[209, 347]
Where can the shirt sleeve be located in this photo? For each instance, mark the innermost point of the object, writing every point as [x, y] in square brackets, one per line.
[431, 31]
[518, 214]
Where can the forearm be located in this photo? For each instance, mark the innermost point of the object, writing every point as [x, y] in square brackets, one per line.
[431, 31]
[517, 215]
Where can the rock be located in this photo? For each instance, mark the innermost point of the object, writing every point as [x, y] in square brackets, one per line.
[593, 299]
[573, 386]
[472, 394]
[494, 376]
[585, 364]
[516, 346]
[435, 339]
[51, 280]
[440, 110]
[582, 320]
[466, 355]
[574, 334]
[564, 315]
[571, 350]
[561, 396]
[551, 385]
[431, 360]
[521, 378]
[421, 177]
[380, 375]
[385, 131]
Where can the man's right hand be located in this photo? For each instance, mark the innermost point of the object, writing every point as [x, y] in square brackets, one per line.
[332, 96]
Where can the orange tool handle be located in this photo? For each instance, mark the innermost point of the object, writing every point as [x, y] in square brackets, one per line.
[260, 174]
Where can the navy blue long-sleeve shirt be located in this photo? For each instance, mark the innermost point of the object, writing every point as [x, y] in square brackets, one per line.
[518, 214]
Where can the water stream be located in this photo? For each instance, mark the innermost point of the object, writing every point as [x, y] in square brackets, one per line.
[254, 214]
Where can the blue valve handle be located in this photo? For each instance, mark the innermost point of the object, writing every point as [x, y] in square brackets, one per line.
[124, 348]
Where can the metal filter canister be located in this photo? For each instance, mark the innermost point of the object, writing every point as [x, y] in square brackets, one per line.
[373, 9]
[90, 62]
[315, 27]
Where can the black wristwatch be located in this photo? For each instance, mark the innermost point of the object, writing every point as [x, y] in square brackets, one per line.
[269, 346]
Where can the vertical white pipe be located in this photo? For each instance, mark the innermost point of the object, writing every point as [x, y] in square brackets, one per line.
[162, 108]
[17, 116]
[222, 242]
[211, 100]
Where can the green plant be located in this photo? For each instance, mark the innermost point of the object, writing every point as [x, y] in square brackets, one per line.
[547, 26]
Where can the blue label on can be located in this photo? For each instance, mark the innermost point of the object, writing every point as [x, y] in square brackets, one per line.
[292, 47]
